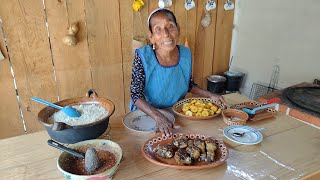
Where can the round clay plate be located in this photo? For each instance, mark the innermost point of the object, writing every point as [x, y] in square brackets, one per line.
[140, 122]
[249, 138]
[221, 154]
[177, 108]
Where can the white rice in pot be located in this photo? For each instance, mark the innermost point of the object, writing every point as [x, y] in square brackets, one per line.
[89, 114]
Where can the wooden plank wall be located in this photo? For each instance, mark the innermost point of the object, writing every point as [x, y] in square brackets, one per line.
[224, 26]
[72, 63]
[27, 40]
[46, 68]
[10, 119]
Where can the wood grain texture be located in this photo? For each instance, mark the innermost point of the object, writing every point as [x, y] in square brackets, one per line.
[104, 39]
[223, 38]
[138, 29]
[152, 5]
[72, 63]
[127, 22]
[186, 20]
[27, 38]
[271, 159]
[205, 38]
[102, 59]
[10, 119]
[139, 23]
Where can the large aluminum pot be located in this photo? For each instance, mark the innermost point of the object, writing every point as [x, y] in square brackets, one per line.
[64, 133]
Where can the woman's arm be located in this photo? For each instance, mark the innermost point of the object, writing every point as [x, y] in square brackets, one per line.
[137, 96]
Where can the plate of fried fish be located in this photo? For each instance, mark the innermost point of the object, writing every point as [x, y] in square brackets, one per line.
[185, 151]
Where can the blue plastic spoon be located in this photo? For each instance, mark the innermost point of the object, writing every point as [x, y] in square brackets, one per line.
[68, 110]
[253, 111]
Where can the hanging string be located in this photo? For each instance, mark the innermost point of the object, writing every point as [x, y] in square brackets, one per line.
[141, 22]
[186, 43]
[142, 38]
[67, 12]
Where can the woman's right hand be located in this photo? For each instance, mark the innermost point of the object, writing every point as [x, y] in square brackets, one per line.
[164, 125]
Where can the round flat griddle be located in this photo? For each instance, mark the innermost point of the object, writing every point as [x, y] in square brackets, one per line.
[305, 97]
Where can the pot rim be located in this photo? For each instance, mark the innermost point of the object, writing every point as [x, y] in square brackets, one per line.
[81, 100]
[216, 78]
[233, 73]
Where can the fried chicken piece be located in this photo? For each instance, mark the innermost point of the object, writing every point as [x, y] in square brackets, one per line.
[180, 142]
[210, 147]
[200, 144]
[164, 151]
[203, 157]
[182, 157]
[190, 142]
[193, 151]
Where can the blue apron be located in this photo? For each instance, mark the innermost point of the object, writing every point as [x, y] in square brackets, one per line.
[164, 86]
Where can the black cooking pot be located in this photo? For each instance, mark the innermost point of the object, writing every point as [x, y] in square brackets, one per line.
[216, 83]
[64, 133]
[234, 80]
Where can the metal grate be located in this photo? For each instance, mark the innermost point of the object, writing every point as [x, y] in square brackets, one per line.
[258, 90]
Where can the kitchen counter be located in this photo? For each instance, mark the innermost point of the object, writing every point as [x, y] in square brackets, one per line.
[289, 150]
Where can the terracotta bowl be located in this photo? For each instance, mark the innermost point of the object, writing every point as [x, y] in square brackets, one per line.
[100, 144]
[177, 108]
[234, 117]
[221, 154]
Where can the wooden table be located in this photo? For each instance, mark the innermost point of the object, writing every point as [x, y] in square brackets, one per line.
[290, 150]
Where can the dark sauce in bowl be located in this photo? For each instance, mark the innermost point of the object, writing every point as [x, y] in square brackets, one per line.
[75, 165]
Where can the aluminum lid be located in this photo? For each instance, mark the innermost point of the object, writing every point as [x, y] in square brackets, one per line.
[233, 73]
[216, 78]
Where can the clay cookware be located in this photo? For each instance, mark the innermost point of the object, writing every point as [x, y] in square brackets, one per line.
[64, 133]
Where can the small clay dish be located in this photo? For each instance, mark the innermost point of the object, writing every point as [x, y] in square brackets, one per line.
[234, 117]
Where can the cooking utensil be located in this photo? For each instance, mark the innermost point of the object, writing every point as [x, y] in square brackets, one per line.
[240, 134]
[68, 110]
[253, 111]
[65, 149]
[91, 159]
[73, 134]
[258, 90]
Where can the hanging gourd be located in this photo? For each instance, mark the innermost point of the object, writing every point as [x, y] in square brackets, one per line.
[206, 20]
[137, 5]
[70, 38]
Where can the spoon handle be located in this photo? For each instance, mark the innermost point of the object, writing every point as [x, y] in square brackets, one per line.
[260, 129]
[264, 107]
[45, 102]
[63, 148]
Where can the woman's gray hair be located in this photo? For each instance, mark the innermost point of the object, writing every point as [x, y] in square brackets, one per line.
[161, 10]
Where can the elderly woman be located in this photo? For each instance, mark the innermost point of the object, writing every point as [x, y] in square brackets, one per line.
[161, 73]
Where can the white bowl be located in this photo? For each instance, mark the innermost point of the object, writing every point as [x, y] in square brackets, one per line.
[96, 143]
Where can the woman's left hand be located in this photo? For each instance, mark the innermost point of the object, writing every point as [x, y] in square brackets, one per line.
[219, 99]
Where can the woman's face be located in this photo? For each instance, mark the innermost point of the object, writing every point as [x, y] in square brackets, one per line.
[165, 33]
